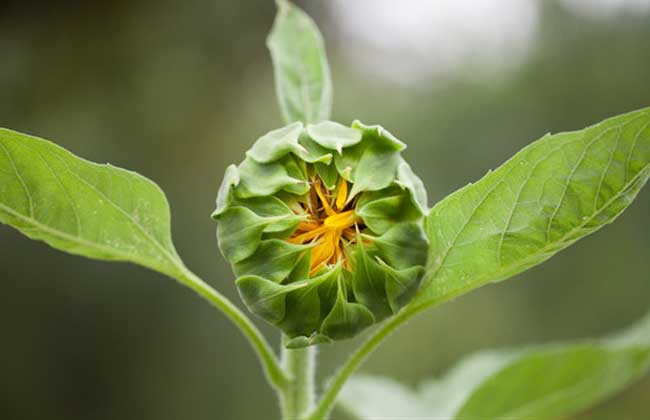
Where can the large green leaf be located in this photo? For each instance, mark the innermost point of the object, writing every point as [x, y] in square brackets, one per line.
[98, 211]
[550, 194]
[302, 75]
[553, 381]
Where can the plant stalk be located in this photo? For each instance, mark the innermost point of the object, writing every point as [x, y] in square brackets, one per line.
[272, 369]
[326, 403]
[297, 398]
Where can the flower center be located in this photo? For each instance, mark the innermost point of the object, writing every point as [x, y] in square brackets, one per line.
[331, 224]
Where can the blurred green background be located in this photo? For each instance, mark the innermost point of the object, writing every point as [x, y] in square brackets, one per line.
[178, 90]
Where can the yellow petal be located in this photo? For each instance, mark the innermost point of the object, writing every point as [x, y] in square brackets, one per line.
[342, 194]
[320, 194]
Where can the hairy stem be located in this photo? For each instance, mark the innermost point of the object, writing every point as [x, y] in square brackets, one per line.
[326, 403]
[272, 369]
[297, 399]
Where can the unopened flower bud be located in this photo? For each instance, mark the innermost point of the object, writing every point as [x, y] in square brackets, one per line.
[323, 227]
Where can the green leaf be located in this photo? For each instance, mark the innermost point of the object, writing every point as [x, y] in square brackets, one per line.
[240, 230]
[272, 208]
[369, 285]
[402, 246]
[380, 210]
[313, 152]
[544, 382]
[302, 341]
[108, 213]
[371, 164]
[97, 211]
[550, 194]
[277, 143]
[327, 174]
[304, 305]
[401, 285]
[346, 319]
[262, 179]
[302, 75]
[240, 233]
[265, 297]
[332, 135]
[230, 179]
[296, 168]
[411, 182]
[274, 259]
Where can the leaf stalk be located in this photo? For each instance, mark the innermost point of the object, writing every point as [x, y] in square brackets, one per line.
[273, 372]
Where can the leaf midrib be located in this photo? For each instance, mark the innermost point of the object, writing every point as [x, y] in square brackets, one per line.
[63, 235]
[532, 256]
[66, 193]
[525, 182]
[20, 179]
[578, 163]
[74, 238]
[479, 204]
[141, 228]
[575, 389]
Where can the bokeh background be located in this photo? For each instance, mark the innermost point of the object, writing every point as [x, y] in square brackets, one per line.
[178, 90]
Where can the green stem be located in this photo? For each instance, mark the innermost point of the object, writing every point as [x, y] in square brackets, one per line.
[326, 403]
[273, 372]
[297, 399]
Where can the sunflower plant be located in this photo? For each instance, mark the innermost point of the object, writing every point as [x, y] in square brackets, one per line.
[330, 235]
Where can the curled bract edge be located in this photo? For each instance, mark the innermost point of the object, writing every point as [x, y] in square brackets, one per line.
[323, 228]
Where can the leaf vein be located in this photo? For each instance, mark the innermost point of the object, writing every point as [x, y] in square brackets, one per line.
[129, 217]
[569, 178]
[632, 147]
[73, 206]
[20, 179]
[606, 170]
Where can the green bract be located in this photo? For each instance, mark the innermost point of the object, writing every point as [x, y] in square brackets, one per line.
[323, 227]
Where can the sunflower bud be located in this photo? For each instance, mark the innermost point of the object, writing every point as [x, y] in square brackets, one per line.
[322, 226]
